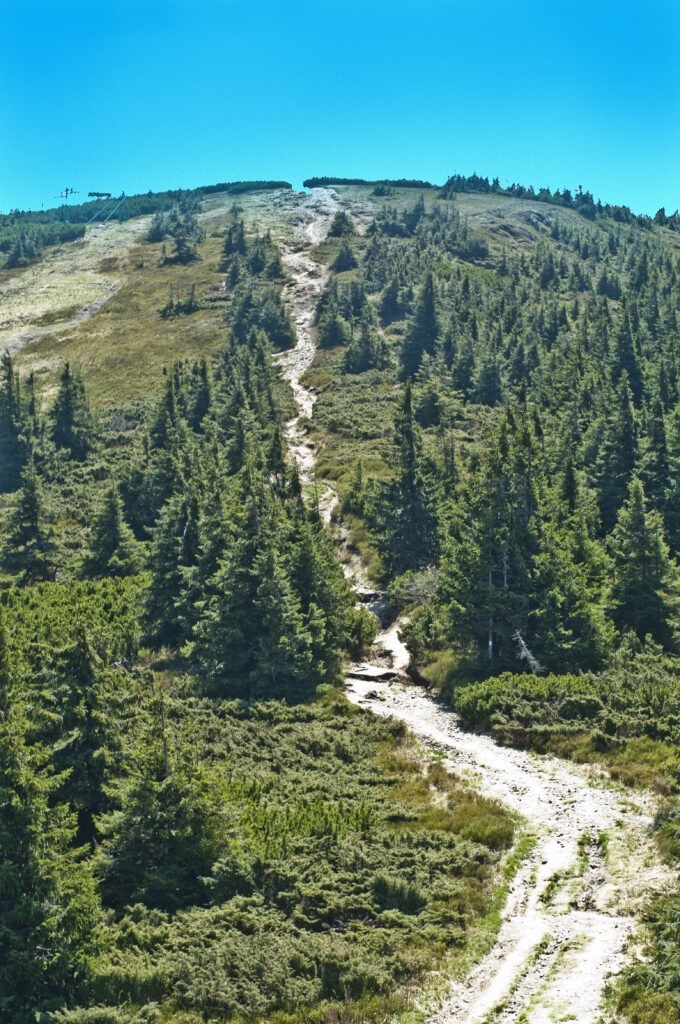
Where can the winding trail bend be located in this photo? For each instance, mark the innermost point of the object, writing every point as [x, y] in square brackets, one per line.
[569, 922]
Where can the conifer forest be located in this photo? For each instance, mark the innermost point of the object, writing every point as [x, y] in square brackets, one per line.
[340, 608]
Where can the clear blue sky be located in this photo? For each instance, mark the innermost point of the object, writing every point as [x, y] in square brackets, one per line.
[156, 94]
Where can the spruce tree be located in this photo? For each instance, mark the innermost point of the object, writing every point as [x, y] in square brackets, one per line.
[409, 538]
[12, 444]
[29, 530]
[345, 260]
[71, 422]
[86, 698]
[48, 905]
[169, 829]
[28, 520]
[112, 544]
[654, 461]
[567, 629]
[617, 454]
[422, 331]
[168, 612]
[283, 655]
[644, 590]
[390, 307]
[625, 361]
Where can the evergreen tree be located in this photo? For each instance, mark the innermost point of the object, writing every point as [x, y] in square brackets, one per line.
[325, 597]
[409, 533]
[71, 423]
[568, 630]
[345, 260]
[390, 308]
[171, 825]
[366, 351]
[644, 590]
[28, 521]
[625, 361]
[617, 454]
[169, 612]
[48, 905]
[654, 462]
[486, 565]
[283, 653]
[12, 444]
[201, 396]
[29, 531]
[422, 331]
[85, 701]
[487, 388]
[341, 225]
[112, 544]
[276, 458]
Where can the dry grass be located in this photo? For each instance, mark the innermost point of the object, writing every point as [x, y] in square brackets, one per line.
[123, 348]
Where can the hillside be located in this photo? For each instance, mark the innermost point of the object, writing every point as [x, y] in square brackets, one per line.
[244, 796]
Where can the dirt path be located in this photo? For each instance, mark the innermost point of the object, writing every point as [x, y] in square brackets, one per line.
[72, 283]
[568, 923]
[310, 220]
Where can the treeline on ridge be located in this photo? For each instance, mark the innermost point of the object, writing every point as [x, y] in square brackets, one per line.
[25, 233]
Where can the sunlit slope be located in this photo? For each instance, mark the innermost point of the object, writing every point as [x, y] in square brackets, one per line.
[97, 302]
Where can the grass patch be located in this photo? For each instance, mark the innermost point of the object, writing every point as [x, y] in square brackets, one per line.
[55, 316]
[123, 350]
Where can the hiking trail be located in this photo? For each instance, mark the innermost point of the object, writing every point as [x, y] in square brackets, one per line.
[572, 908]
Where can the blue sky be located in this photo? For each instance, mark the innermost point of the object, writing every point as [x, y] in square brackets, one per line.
[159, 94]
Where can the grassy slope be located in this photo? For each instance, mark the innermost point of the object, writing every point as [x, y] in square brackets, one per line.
[123, 348]
[122, 351]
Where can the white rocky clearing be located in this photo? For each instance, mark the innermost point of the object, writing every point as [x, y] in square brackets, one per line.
[69, 285]
[570, 919]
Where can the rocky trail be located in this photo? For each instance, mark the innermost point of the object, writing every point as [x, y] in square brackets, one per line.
[568, 925]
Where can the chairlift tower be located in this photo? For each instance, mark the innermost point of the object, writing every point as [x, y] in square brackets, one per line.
[64, 195]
